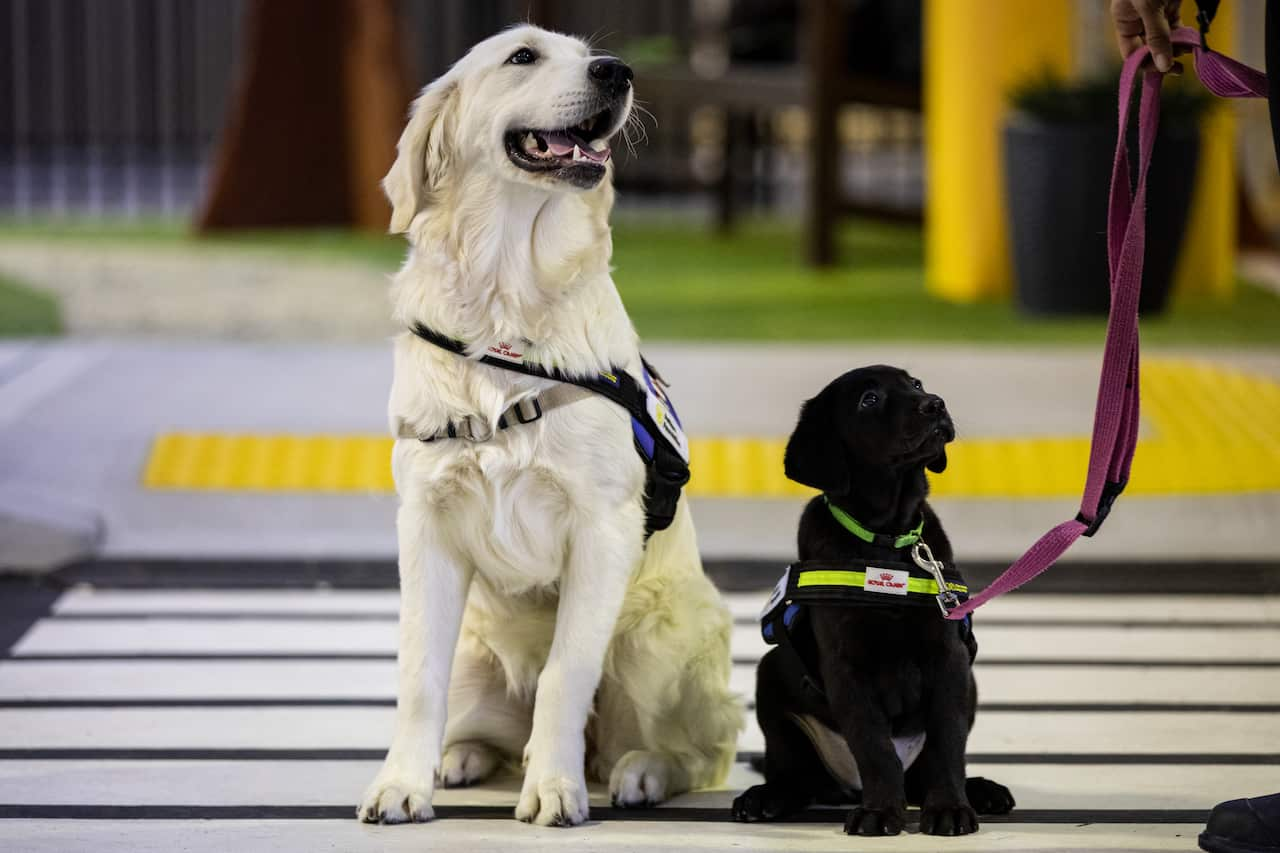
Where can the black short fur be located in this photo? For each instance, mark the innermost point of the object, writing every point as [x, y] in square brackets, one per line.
[866, 441]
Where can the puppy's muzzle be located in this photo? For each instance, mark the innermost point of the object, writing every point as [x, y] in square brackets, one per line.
[932, 404]
[933, 407]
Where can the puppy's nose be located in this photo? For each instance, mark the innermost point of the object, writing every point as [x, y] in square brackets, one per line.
[610, 74]
[932, 404]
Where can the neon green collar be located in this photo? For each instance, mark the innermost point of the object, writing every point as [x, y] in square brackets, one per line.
[849, 523]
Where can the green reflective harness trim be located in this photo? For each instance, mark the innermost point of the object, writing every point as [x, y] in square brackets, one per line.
[849, 523]
[858, 580]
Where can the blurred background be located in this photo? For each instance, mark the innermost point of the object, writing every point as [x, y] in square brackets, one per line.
[863, 158]
[197, 550]
[193, 260]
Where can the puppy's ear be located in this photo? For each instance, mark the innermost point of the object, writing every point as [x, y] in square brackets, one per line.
[938, 464]
[423, 152]
[815, 455]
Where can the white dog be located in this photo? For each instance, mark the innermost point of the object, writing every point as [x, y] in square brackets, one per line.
[533, 616]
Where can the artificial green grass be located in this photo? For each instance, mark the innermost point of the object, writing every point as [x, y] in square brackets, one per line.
[682, 281]
[686, 283]
[26, 313]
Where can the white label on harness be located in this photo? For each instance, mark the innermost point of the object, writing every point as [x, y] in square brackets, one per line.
[779, 590]
[663, 414]
[891, 581]
[507, 351]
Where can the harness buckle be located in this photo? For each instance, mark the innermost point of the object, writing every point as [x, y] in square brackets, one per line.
[1205, 10]
[1110, 491]
[947, 599]
[475, 429]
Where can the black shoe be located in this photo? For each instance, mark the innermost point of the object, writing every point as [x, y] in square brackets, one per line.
[1244, 826]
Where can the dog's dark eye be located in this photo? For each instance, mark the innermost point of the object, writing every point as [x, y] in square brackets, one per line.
[523, 56]
[869, 399]
[917, 384]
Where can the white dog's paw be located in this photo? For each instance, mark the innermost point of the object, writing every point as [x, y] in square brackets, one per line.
[641, 779]
[397, 798]
[553, 800]
[467, 763]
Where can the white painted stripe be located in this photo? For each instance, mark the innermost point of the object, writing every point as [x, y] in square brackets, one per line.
[1124, 684]
[185, 679]
[1070, 643]
[86, 600]
[318, 636]
[1105, 732]
[215, 783]
[1192, 685]
[377, 680]
[371, 728]
[285, 836]
[177, 635]
[1149, 608]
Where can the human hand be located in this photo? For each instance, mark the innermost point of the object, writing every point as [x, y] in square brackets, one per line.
[1147, 22]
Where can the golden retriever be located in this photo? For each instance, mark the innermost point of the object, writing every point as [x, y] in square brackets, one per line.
[535, 620]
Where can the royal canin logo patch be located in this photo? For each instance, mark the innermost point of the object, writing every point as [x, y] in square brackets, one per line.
[888, 581]
[504, 350]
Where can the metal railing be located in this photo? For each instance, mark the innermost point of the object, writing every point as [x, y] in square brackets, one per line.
[111, 106]
[114, 107]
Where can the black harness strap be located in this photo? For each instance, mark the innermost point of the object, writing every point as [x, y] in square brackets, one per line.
[626, 392]
[829, 583]
[666, 469]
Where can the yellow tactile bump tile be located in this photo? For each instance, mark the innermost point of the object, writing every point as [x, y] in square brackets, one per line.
[1208, 430]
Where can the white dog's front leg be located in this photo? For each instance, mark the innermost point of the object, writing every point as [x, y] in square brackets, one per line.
[591, 594]
[433, 594]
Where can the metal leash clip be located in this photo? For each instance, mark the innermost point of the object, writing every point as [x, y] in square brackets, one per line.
[923, 557]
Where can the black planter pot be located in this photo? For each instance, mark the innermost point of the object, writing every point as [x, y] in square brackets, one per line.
[1056, 179]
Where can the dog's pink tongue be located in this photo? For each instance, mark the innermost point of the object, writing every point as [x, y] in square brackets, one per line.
[561, 145]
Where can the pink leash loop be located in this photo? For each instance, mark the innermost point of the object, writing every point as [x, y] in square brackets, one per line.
[1115, 423]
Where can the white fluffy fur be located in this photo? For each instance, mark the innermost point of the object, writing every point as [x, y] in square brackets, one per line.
[527, 597]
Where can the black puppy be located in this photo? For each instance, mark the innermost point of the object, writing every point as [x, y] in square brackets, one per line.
[868, 675]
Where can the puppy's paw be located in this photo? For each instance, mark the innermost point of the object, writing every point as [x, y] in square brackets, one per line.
[553, 800]
[641, 779]
[948, 820]
[396, 798]
[868, 821]
[761, 803]
[988, 797]
[467, 763]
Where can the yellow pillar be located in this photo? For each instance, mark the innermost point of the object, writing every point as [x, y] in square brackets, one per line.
[1206, 266]
[974, 51]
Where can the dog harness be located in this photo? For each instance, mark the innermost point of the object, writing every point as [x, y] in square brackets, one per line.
[658, 434]
[922, 582]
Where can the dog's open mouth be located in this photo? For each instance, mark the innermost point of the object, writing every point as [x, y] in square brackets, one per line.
[582, 148]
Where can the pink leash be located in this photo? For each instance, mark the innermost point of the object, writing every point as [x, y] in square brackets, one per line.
[1115, 423]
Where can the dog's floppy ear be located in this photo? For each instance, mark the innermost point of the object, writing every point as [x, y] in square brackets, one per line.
[423, 152]
[815, 455]
[938, 464]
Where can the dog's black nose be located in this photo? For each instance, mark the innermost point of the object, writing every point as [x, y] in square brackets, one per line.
[932, 404]
[611, 74]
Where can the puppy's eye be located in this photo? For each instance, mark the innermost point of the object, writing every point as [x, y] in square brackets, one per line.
[523, 56]
[869, 400]
[917, 384]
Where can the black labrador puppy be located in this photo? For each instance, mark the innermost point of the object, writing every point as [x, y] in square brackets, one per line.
[867, 682]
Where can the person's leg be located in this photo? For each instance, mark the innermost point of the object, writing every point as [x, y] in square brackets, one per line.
[1253, 825]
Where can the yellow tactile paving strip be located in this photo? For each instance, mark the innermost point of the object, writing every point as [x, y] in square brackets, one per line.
[1210, 430]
